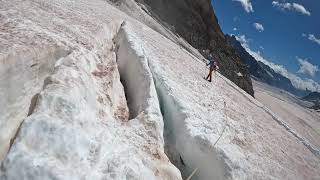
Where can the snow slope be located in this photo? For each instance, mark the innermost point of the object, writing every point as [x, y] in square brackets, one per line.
[122, 99]
[253, 146]
[292, 110]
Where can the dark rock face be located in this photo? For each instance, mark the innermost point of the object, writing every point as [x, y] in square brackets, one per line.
[261, 71]
[316, 106]
[195, 21]
[315, 98]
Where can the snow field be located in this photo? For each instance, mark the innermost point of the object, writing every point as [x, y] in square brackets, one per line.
[83, 127]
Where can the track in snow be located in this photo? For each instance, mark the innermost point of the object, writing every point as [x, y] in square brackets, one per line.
[276, 118]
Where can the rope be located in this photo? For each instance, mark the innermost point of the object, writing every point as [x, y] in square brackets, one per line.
[225, 125]
[192, 174]
[224, 128]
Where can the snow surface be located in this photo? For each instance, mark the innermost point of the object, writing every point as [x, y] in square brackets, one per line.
[79, 127]
[253, 145]
[120, 98]
[292, 111]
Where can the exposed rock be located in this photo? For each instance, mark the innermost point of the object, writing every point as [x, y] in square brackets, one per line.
[196, 22]
[261, 71]
[313, 97]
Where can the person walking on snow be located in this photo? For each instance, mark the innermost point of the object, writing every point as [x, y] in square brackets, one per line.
[213, 66]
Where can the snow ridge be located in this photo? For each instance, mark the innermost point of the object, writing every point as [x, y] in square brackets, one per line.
[20, 80]
[79, 128]
[141, 93]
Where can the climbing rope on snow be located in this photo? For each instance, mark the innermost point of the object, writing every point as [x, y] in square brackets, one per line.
[222, 132]
[225, 124]
[192, 174]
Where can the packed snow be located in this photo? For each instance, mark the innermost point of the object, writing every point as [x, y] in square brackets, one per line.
[79, 127]
[293, 111]
[107, 97]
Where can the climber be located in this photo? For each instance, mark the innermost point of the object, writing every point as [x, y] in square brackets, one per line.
[213, 66]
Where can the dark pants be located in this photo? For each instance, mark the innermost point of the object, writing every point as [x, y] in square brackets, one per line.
[209, 77]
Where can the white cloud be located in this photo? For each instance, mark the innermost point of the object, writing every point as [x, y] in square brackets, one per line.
[259, 27]
[307, 68]
[246, 4]
[301, 9]
[296, 81]
[313, 38]
[291, 7]
[243, 40]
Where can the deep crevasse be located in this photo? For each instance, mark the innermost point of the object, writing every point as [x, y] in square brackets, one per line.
[79, 127]
[133, 62]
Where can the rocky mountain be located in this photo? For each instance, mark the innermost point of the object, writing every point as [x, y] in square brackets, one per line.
[313, 97]
[316, 106]
[262, 71]
[196, 22]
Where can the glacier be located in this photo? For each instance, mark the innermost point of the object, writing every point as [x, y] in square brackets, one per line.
[94, 92]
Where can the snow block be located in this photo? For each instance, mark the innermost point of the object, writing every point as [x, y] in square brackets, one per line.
[21, 77]
[141, 93]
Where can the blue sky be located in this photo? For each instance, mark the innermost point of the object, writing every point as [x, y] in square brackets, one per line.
[285, 34]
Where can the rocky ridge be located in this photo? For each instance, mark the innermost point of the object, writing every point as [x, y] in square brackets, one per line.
[196, 22]
[313, 97]
[261, 71]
